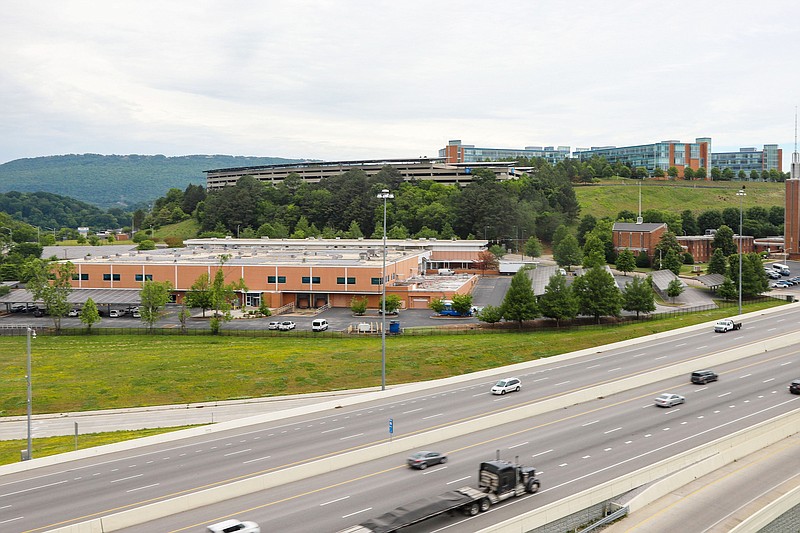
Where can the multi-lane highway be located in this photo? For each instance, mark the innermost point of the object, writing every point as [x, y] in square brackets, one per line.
[46, 497]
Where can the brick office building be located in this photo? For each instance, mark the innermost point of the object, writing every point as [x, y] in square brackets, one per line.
[638, 237]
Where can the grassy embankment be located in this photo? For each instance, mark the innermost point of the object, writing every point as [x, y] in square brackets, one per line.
[609, 197]
[88, 373]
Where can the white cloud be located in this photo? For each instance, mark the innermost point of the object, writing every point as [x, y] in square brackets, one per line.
[352, 79]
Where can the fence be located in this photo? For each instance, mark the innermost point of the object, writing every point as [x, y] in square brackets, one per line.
[541, 324]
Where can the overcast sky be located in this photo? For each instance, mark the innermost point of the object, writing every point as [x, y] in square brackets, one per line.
[344, 79]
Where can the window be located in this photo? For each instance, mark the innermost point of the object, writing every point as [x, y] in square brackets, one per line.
[375, 281]
[307, 279]
[83, 277]
[145, 277]
[110, 277]
[281, 279]
[341, 281]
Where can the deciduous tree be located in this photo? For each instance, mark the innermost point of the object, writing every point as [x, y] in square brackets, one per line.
[154, 296]
[51, 283]
[558, 302]
[519, 304]
[639, 296]
[597, 293]
[626, 262]
[89, 314]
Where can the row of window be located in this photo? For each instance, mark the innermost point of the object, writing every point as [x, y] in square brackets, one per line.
[270, 279]
[113, 277]
[315, 279]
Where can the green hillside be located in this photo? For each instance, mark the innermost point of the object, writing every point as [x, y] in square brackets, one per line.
[608, 199]
[116, 180]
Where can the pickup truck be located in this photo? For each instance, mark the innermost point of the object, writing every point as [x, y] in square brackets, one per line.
[725, 325]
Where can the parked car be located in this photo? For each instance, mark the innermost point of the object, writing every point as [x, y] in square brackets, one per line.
[668, 400]
[286, 325]
[780, 284]
[74, 312]
[794, 386]
[704, 376]
[38, 312]
[274, 325]
[136, 314]
[773, 274]
[319, 324]
[506, 385]
[116, 313]
[423, 460]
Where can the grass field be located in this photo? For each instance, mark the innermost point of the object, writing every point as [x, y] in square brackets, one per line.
[610, 197]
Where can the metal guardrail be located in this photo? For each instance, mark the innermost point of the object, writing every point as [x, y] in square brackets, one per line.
[616, 515]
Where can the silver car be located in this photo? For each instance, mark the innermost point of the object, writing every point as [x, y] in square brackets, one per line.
[668, 400]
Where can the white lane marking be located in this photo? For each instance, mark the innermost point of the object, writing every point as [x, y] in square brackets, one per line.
[145, 487]
[681, 344]
[628, 441]
[479, 394]
[724, 394]
[334, 501]
[331, 430]
[542, 453]
[351, 436]
[254, 460]
[786, 363]
[11, 520]
[664, 429]
[701, 388]
[433, 470]
[517, 445]
[662, 357]
[638, 355]
[563, 464]
[607, 449]
[614, 369]
[586, 457]
[459, 480]
[125, 478]
[593, 366]
[611, 431]
[540, 379]
[412, 411]
[745, 376]
[702, 347]
[361, 511]
[238, 452]
[32, 488]
[772, 329]
[432, 416]
[590, 423]
[562, 383]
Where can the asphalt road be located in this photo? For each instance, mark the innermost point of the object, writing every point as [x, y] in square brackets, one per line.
[84, 488]
[574, 449]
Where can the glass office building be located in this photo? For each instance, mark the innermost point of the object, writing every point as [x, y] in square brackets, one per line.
[749, 159]
[661, 155]
[456, 152]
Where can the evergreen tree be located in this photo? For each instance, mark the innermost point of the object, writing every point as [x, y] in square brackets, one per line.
[597, 293]
[626, 262]
[642, 260]
[520, 303]
[728, 290]
[639, 296]
[689, 223]
[672, 261]
[567, 252]
[558, 302]
[718, 264]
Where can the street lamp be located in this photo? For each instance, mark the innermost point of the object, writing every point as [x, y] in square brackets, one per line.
[741, 194]
[384, 195]
[31, 333]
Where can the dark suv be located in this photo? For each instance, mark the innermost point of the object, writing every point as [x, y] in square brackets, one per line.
[704, 376]
[794, 386]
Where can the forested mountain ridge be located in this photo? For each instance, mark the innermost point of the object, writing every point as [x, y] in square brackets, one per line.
[117, 180]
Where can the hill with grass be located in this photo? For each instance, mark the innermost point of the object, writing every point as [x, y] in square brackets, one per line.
[117, 180]
[608, 198]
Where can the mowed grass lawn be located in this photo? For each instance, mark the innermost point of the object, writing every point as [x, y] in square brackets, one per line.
[79, 373]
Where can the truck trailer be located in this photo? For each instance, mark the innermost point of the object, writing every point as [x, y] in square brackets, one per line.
[498, 481]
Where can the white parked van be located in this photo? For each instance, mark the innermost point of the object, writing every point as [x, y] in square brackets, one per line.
[446, 272]
[782, 269]
[319, 324]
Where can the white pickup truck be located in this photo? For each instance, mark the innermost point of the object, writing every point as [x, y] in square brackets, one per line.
[726, 324]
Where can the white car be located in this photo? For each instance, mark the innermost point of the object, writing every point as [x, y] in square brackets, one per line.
[668, 400]
[274, 325]
[286, 325]
[74, 312]
[506, 385]
[234, 526]
[116, 313]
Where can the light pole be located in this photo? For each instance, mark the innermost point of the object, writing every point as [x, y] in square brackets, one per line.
[384, 195]
[741, 194]
[31, 332]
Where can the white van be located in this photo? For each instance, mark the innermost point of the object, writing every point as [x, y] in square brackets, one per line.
[319, 324]
[783, 269]
[446, 272]
[234, 526]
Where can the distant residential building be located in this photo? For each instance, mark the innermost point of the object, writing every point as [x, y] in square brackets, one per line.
[456, 152]
[661, 155]
[749, 159]
[424, 169]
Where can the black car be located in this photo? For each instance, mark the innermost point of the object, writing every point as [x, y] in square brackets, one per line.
[794, 387]
[423, 460]
[704, 376]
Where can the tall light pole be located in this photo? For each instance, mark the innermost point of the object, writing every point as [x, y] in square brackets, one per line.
[741, 194]
[32, 332]
[384, 195]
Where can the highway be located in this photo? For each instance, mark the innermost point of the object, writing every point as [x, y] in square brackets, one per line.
[66, 493]
[574, 449]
